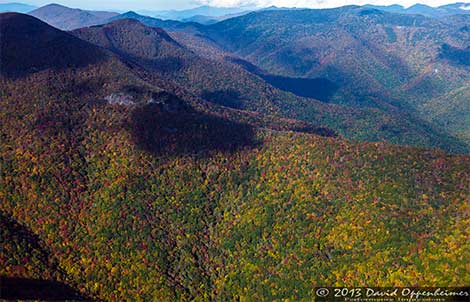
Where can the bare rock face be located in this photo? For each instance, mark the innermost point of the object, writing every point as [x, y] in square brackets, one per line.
[167, 102]
[120, 99]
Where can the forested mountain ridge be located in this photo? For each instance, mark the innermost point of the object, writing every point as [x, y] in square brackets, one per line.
[368, 57]
[212, 77]
[373, 58]
[119, 79]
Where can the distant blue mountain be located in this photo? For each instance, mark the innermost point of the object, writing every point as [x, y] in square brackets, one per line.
[16, 7]
[207, 11]
[208, 14]
[459, 8]
[171, 25]
[394, 8]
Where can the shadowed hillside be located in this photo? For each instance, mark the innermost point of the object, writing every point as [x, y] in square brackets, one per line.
[14, 289]
[167, 125]
[316, 88]
[29, 45]
[455, 55]
[28, 271]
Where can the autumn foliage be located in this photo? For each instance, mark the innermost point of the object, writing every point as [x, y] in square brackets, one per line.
[128, 188]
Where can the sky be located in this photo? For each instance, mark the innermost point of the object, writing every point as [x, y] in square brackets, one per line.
[185, 4]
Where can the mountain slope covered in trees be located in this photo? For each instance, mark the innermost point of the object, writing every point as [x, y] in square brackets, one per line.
[228, 82]
[126, 221]
[376, 59]
[123, 185]
[356, 56]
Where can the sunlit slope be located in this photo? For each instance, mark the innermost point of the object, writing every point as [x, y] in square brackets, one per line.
[266, 218]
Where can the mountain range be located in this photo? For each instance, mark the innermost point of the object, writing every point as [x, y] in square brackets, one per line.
[336, 51]
[54, 13]
[16, 7]
[378, 59]
[425, 10]
[251, 159]
[209, 12]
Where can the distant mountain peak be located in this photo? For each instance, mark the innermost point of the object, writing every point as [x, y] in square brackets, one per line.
[420, 5]
[56, 5]
[131, 13]
[396, 5]
[67, 18]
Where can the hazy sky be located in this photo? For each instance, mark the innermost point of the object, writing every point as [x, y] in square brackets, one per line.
[183, 4]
